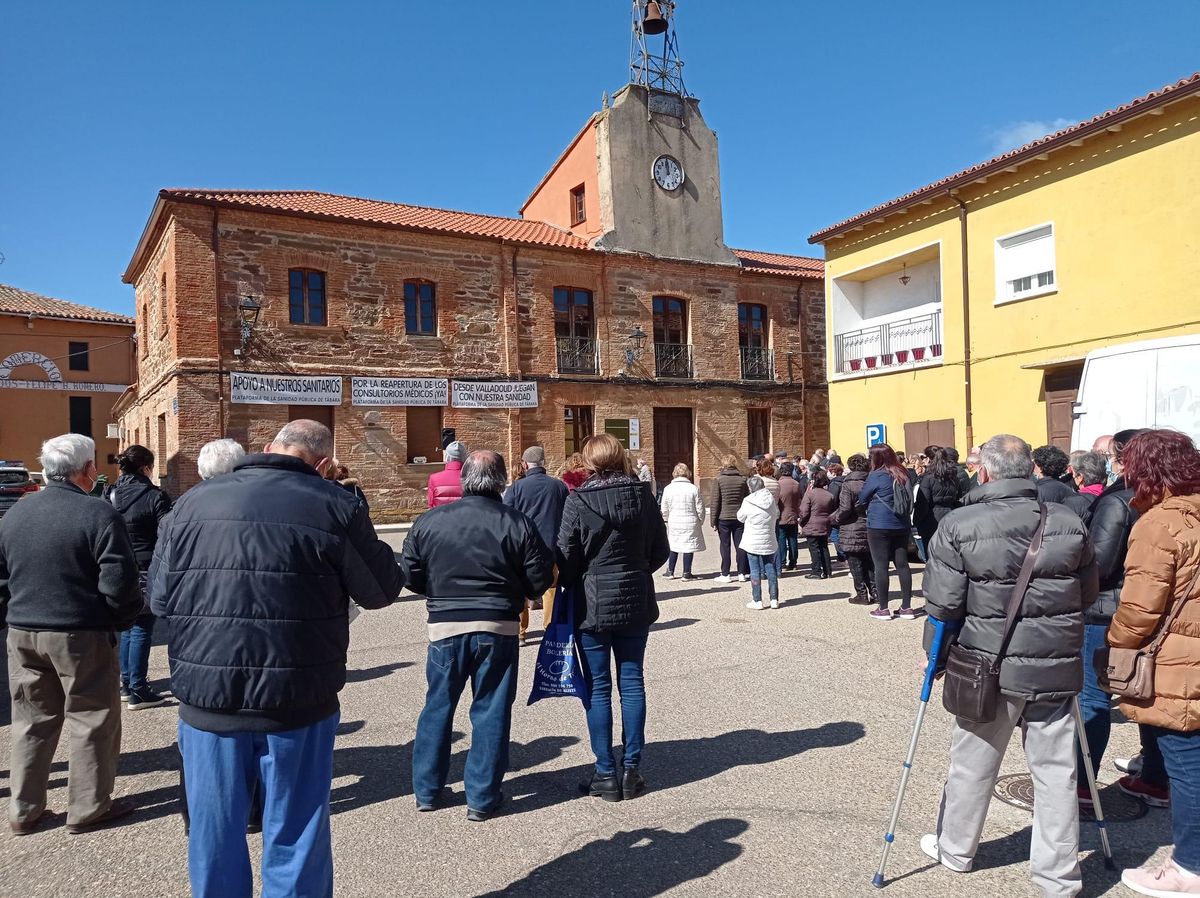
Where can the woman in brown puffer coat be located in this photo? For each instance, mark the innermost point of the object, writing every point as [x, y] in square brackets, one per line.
[852, 531]
[816, 513]
[1162, 570]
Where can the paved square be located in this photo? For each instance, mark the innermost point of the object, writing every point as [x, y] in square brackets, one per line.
[774, 745]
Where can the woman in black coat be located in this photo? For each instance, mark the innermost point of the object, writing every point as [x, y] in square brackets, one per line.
[143, 505]
[939, 492]
[611, 541]
[851, 523]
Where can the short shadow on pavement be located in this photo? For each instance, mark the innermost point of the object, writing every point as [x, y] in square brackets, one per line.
[674, 624]
[384, 772]
[818, 597]
[649, 862]
[682, 762]
[663, 595]
[374, 673]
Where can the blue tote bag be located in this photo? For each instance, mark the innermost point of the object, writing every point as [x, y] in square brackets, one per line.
[559, 671]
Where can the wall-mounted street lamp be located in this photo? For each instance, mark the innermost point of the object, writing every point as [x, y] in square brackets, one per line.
[249, 310]
[637, 342]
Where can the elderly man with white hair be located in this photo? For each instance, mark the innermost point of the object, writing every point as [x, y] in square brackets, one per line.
[219, 457]
[68, 580]
[254, 573]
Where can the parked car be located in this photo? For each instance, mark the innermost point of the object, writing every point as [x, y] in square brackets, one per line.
[15, 482]
[38, 477]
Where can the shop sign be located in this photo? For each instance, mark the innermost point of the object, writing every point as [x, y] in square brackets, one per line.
[399, 391]
[495, 394]
[284, 389]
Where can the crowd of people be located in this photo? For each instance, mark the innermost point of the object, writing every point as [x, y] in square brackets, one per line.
[256, 573]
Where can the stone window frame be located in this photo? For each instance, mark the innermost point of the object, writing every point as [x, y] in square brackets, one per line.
[411, 327]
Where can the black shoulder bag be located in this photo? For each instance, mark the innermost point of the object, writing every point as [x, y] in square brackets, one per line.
[972, 687]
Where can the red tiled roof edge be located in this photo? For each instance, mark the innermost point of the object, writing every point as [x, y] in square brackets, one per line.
[1167, 94]
[15, 301]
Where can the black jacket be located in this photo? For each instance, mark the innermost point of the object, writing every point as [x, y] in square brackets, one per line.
[1109, 521]
[612, 539]
[143, 506]
[475, 560]
[835, 486]
[66, 563]
[851, 520]
[1051, 490]
[974, 560]
[935, 499]
[540, 498]
[729, 489]
[253, 575]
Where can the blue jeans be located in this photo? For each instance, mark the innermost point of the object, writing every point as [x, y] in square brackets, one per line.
[1181, 752]
[763, 567]
[296, 769]
[135, 652]
[673, 557]
[1093, 702]
[489, 662]
[835, 539]
[788, 537]
[629, 650]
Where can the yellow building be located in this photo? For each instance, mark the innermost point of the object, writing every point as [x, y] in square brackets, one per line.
[1086, 238]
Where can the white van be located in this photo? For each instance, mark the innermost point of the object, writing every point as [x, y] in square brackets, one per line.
[1152, 383]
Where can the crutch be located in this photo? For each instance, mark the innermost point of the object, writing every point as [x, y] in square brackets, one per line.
[940, 631]
[1091, 776]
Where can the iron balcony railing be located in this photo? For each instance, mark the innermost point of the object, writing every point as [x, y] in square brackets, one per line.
[758, 363]
[577, 355]
[888, 346]
[673, 359]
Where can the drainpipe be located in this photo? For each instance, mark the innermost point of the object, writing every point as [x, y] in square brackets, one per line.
[966, 313]
[216, 245]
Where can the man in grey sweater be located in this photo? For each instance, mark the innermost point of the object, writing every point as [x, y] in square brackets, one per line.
[68, 581]
[975, 558]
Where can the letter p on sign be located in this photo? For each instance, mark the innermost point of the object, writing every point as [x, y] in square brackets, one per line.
[876, 434]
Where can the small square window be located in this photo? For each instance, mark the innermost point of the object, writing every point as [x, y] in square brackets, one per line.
[1025, 264]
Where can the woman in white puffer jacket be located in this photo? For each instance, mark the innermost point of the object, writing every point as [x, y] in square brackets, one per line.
[759, 513]
[683, 510]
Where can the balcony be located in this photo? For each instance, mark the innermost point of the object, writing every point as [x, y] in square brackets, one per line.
[758, 363]
[577, 355]
[673, 359]
[890, 346]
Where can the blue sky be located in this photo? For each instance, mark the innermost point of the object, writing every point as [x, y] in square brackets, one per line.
[822, 109]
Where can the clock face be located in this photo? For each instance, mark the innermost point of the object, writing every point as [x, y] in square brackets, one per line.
[667, 172]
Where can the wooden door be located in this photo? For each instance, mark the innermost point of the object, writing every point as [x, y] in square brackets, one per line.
[1062, 389]
[919, 434]
[673, 441]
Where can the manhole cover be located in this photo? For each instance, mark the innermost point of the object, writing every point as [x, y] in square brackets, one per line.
[1017, 790]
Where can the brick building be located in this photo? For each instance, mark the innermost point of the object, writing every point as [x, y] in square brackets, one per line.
[62, 368]
[614, 305]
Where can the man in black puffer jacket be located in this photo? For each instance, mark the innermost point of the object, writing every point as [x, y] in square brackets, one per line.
[975, 558]
[253, 574]
[476, 561]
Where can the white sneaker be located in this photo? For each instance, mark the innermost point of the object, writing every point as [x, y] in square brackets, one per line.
[725, 578]
[745, 578]
[929, 845]
[755, 606]
[774, 605]
[667, 575]
[1131, 766]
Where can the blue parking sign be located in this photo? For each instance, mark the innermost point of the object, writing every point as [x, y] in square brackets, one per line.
[876, 434]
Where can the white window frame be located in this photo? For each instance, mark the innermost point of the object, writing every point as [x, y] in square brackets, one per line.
[1004, 290]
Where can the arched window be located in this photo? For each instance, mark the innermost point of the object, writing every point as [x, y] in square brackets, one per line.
[306, 296]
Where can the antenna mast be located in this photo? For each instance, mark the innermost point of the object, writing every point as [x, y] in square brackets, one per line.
[657, 69]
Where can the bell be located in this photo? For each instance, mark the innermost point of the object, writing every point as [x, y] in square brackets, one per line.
[653, 22]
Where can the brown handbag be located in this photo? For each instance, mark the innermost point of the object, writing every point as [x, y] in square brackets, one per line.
[972, 687]
[1129, 673]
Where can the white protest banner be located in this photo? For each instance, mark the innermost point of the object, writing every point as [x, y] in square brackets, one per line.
[495, 394]
[399, 391]
[284, 389]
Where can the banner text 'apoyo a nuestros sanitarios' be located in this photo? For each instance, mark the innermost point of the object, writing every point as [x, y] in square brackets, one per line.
[284, 389]
[495, 394]
[399, 391]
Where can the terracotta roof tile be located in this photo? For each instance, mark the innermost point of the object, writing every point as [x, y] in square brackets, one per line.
[775, 263]
[378, 212]
[1167, 94]
[14, 301]
[352, 208]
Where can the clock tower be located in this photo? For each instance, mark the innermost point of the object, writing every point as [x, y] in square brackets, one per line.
[643, 176]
